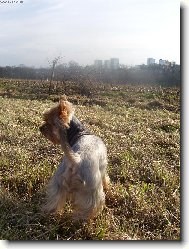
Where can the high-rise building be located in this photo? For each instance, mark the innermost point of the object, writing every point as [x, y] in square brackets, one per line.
[98, 63]
[150, 61]
[164, 62]
[107, 64]
[161, 62]
[114, 62]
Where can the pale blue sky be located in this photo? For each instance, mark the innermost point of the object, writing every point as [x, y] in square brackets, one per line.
[84, 30]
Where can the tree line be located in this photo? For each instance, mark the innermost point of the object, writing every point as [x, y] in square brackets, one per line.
[153, 74]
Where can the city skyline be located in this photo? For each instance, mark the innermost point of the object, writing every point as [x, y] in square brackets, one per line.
[35, 32]
[103, 62]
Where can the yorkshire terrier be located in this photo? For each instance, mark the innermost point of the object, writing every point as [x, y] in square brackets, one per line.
[81, 177]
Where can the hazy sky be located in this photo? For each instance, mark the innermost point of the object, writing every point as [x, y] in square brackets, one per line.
[36, 31]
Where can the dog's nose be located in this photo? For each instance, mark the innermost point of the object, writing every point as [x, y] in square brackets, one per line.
[41, 128]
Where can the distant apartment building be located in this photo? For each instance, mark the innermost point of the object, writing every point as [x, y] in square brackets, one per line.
[107, 64]
[161, 62]
[150, 61]
[164, 62]
[98, 63]
[173, 63]
[114, 62]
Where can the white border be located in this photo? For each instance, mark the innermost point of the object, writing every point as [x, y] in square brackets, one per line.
[185, 176]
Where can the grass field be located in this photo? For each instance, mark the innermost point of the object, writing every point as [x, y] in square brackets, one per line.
[141, 128]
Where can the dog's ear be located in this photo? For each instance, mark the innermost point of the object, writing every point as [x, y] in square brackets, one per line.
[63, 98]
[66, 111]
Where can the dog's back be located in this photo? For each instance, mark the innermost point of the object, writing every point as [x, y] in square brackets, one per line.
[84, 187]
[93, 155]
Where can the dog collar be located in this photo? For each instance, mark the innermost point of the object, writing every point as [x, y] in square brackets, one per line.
[75, 131]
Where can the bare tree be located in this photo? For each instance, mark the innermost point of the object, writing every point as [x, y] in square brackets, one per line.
[53, 65]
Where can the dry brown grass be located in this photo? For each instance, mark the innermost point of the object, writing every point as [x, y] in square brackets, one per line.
[141, 128]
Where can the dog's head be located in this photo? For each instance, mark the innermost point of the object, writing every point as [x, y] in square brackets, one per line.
[60, 114]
